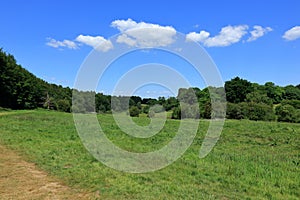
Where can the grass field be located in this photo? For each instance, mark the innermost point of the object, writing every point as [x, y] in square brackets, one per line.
[252, 160]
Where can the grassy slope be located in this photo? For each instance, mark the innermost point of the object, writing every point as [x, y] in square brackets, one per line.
[252, 160]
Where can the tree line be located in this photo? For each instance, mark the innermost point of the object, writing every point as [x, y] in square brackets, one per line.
[20, 89]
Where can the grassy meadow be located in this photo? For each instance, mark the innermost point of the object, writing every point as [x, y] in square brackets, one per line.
[252, 160]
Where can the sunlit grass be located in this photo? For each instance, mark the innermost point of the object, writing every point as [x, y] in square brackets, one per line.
[252, 160]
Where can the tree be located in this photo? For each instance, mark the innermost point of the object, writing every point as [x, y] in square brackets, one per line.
[102, 103]
[258, 97]
[274, 92]
[171, 103]
[237, 90]
[293, 102]
[291, 92]
[136, 99]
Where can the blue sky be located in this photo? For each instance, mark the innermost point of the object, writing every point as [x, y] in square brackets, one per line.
[256, 40]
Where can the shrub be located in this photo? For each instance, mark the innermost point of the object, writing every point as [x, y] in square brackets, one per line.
[186, 111]
[287, 113]
[295, 103]
[257, 111]
[63, 105]
[234, 111]
[176, 114]
[134, 111]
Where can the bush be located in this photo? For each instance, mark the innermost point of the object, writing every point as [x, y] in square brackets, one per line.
[287, 113]
[63, 105]
[134, 111]
[234, 111]
[257, 111]
[295, 103]
[251, 110]
[176, 114]
[186, 111]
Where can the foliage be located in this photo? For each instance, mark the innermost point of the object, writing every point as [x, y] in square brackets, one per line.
[134, 111]
[291, 92]
[234, 111]
[20, 89]
[258, 97]
[63, 105]
[257, 111]
[176, 114]
[274, 92]
[287, 113]
[250, 110]
[293, 102]
[237, 90]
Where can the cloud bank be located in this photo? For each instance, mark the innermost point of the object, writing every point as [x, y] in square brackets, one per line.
[149, 35]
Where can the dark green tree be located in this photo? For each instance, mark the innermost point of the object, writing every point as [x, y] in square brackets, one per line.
[237, 90]
[291, 92]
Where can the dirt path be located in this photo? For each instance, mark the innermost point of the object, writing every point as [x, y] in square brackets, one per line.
[22, 180]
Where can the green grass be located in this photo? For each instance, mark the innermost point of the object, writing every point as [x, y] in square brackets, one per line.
[252, 160]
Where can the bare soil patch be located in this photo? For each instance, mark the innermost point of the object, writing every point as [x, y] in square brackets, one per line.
[23, 180]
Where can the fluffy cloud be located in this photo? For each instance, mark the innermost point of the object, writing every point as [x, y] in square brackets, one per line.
[197, 37]
[147, 35]
[97, 42]
[227, 36]
[258, 32]
[292, 34]
[57, 44]
[143, 34]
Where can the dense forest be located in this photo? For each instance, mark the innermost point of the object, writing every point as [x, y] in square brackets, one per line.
[20, 89]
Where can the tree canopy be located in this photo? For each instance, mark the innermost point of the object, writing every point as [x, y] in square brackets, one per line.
[20, 89]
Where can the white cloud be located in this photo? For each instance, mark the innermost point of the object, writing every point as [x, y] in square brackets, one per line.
[227, 36]
[65, 43]
[197, 37]
[97, 42]
[292, 34]
[258, 32]
[143, 34]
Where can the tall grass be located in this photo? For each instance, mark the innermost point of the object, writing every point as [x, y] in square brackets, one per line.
[252, 160]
